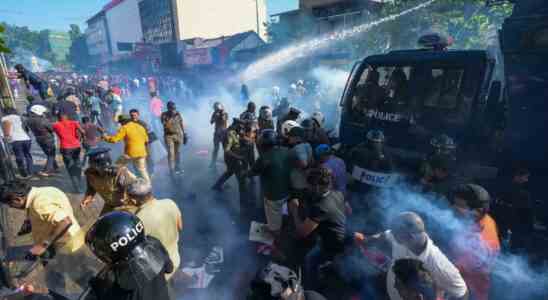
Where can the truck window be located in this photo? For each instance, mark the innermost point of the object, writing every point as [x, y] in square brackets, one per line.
[421, 95]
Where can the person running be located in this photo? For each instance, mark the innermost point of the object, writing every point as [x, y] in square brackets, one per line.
[69, 133]
[15, 132]
[42, 129]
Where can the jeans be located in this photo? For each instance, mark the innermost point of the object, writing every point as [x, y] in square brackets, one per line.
[71, 158]
[87, 148]
[48, 147]
[23, 158]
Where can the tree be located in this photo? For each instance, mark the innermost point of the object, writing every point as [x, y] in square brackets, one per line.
[74, 32]
[3, 46]
[78, 55]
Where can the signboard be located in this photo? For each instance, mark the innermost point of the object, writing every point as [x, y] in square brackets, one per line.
[199, 56]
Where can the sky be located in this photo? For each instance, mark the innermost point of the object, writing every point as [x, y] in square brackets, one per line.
[59, 14]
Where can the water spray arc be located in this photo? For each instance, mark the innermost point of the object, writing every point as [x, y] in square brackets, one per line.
[291, 53]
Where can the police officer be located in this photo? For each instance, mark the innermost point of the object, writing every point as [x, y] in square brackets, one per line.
[313, 134]
[250, 114]
[136, 264]
[265, 120]
[174, 136]
[220, 119]
[437, 172]
[442, 146]
[108, 180]
[371, 169]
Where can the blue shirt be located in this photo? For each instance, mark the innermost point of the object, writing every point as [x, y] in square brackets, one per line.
[338, 170]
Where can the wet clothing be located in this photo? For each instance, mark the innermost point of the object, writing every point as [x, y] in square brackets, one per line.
[111, 186]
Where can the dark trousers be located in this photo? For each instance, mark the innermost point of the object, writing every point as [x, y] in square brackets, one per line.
[48, 147]
[247, 206]
[217, 142]
[23, 158]
[71, 158]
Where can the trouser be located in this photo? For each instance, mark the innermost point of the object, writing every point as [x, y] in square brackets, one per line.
[312, 262]
[48, 147]
[87, 148]
[173, 145]
[150, 158]
[23, 158]
[217, 143]
[95, 117]
[139, 163]
[247, 207]
[71, 159]
[43, 90]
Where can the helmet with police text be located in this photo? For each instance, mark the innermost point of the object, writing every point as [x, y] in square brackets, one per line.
[319, 118]
[268, 137]
[217, 106]
[99, 158]
[287, 126]
[265, 113]
[443, 144]
[114, 235]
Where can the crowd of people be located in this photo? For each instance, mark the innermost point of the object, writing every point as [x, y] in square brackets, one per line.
[324, 207]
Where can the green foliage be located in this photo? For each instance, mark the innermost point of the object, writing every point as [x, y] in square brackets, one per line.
[3, 47]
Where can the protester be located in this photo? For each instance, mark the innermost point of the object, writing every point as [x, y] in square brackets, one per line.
[91, 137]
[135, 139]
[31, 79]
[69, 133]
[413, 280]
[174, 137]
[136, 117]
[274, 168]
[408, 239]
[328, 160]
[42, 129]
[54, 229]
[156, 107]
[302, 158]
[476, 246]
[325, 216]
[162, 219]
[15, 132]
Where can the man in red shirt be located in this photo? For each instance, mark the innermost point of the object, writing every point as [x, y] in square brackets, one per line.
[156, 107]
[69, 133]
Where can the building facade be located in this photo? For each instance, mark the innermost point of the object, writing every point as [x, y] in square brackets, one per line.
[157, 21]
[59, 42]
[98, 39]
[124, 26]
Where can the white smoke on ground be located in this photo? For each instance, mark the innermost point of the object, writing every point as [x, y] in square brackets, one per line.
[290, 54]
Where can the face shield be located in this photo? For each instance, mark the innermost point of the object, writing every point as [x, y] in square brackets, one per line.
[145, 262]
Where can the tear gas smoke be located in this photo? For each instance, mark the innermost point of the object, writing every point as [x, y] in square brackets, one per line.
[291, 53]
[509, 271]
[30, 61]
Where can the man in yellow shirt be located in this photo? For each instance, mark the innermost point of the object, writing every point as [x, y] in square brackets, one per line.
[135, 138]
[54, 229]
[162, 219]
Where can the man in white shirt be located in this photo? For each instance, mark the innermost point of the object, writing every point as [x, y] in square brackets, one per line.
[162, 219]
[408, 239]
[15, 132]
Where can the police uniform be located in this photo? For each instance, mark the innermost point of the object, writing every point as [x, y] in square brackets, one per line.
[371, 171]
[110, 184]
[220, 119]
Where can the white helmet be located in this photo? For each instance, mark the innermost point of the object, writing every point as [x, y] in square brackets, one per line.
[287, 126]
[300, 82]
[38, 109]
[319, 118]
[218, 106]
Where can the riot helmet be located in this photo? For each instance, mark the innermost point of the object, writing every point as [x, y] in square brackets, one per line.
[287, 126]
[443, 144]
[99, 158]
[251, 107]
[268, 137]
[319, 118]
[265, 113]
[114, 236]
[171, 106]
[218, 106]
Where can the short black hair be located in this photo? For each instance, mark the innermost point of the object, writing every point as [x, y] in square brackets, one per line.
[85, 120]
[474, 195]
[133, 110]
[414, 276]
[14, 189]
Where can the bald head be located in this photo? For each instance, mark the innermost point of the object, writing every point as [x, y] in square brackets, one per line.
[408, 222]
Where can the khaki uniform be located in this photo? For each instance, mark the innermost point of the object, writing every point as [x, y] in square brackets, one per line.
[174, 138]
[111, 187]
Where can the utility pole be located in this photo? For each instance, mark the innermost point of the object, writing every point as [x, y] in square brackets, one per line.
[6, 96]
[257, 13]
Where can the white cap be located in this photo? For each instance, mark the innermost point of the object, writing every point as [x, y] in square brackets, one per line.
[38, 109]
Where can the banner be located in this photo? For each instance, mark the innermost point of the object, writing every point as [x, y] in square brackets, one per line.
[198, 56]
[378, 179]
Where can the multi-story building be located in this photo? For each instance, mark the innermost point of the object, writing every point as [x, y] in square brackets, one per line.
[98, 39]
[56, 42]
[124, 26]
[175, 20]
